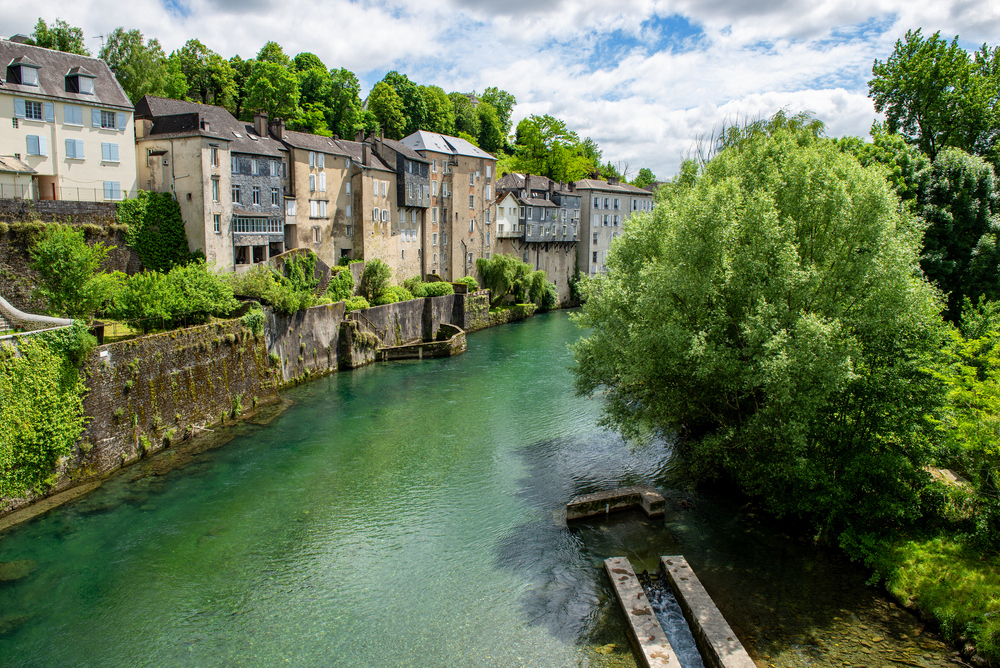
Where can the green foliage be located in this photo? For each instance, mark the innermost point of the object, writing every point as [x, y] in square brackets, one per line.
[300, 270]
[503, 104]
[907, 169]
[544, 145]
[341, 286]
[375, 280]
[139, 65]
[468, 281]
[155, 230]
[936, 95]
[502, 275]
[186, 295]
[355, 303]
[384, 102]
[644, 178]
[263, 283]
[437, 289]
[491, 137]
[771, 316]
[411, 96]
[60, 37]
[440, 111]
[254, 320]
[466, 118]
[210, 78]
[41, 413]
[273, 89]
[393, 294]
[68, 269]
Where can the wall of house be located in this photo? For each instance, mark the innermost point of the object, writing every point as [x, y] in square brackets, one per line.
[333, 237]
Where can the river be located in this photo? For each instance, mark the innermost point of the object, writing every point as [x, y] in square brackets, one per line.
[409, 514]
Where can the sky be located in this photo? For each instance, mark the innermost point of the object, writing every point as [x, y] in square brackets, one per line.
[646, 79]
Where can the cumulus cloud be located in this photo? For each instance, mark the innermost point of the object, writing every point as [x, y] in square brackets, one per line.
[643, 78]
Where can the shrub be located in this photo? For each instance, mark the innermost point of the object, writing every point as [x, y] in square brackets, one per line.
[187, 294]
[470, 282]
[254, 320]
[393, 294]
[375, 280]
[69, 271]
[341, 286]
[263, 283]
[155, 230]
[502, 275]
[438, 289]
[356, 303]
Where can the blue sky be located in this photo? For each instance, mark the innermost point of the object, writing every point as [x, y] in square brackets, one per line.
[644, 78]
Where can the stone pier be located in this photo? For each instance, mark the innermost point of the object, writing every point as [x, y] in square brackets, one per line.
[614, 500]
[653, 650]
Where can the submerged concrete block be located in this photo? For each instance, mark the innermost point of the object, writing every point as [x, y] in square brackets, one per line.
[652, 648]
[719, 646]
[613, 500]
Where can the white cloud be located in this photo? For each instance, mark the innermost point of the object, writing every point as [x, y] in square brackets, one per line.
[605, 68]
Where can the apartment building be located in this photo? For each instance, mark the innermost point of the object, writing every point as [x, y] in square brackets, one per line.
[413, 201]
[461, 182]
[540, 221]
[229, 177]
[606, 208]
[71, 127]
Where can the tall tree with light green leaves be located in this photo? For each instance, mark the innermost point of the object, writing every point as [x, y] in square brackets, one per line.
[387, 107]
[140, 65]
[273, 89]
[60, 36]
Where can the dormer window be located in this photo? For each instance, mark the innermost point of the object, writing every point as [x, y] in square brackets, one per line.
[79, 80]
[29, 76]
[23, 71]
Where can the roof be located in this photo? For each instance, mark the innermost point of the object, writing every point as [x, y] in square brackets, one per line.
[54, 67]
[403, 149]
[179, 118]
[10, 164]
[422, 140]
[516, 181]
[355, 149]
[596, 184]
[310, 142]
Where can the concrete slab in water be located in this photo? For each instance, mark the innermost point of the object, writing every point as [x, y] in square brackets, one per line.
[653, 648]
[613, 500]
[720, 648]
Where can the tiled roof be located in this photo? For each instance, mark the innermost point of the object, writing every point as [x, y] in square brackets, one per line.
[595, 184]
[179, 118]
[10, 164]
[355, 150]
[422, 140]
[403, 149]
[310, 142]
[53, 68]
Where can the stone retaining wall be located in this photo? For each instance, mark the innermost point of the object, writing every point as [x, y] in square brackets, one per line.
[58, 211]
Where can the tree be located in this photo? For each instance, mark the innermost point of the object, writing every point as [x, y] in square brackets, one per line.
[440, 111]
[139, 65]
[491, 136]
[770, 316]
[60, 37]
[387, 107]
[68, 269]
[344, 113]
[961, 249]
[242, 69]
[544, 145]
[906, 167]
[273, 89]
[412, 98]
[376, 279]
[936, 96]
[503, 102]
[644, 178]
[466, 118]
[501, 275]
[273, 53]
[210, 78]
[306, 61]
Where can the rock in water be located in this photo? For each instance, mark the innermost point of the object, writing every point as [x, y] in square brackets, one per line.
[15, 570]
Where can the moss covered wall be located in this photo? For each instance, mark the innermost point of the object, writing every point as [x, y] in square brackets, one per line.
[306, 343]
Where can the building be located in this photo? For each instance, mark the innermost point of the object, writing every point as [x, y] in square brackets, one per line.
[540, 221]
[461, 198]
[70, 135]
[606, 207]
[413, 201]
[229, 177]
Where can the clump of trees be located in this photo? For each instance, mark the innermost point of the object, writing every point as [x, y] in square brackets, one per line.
[505, 275]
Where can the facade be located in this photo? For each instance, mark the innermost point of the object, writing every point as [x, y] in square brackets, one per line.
[606, 207]
[413, 201]
[461, 181]
[71, 126]
[229, 178]
[545, 231]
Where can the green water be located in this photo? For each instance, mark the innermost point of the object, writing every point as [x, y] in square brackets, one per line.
[409, 515]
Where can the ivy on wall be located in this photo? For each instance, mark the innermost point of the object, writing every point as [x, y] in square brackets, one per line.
[41, 406]
[155, 230]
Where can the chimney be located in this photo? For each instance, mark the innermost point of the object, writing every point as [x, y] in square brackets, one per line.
[613, 181]
[336, 137]
[260, 124]
[143, 127]
[277, 128]
[359, 136]
[366, 155]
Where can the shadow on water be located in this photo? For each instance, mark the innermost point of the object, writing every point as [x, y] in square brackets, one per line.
[792, 603]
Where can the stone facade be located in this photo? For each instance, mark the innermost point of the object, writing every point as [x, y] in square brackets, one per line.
[606, 208]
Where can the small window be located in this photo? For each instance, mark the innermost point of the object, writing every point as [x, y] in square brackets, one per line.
[348, 210]
[375, 214]
[235, 164]
[313, 208]
[112, 190]
[33, 110]
[595, 238]
[435, 257]
[322, 208]
[217, 223]
[236, 194]
[348, 186]
[275, 169]
[317, 234]
[470, 258]
[489, 171]
[322, 179]
[74, 149]
[472, 178]
[350, 230]
[29, 76]
[595, 256]
[214, 153]
[487, 238]
[312, 158]
[607, 202]
[617, 204]
[597, 202]
[254, 166]
[108, 120]
[472, 201]
[289, 207]
[85, 85]
[384, 185]
[434, 239]
[215, 190]
[109, 152]
[403, 253]
[521, 212]
[434, 165]
[256, 195]
[275, 196]
[321, 160]
[472, 225]
[312, 183]
[434, 188]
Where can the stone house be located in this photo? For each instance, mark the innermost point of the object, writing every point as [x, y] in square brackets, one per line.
[413, 201]
[70, 130]
[606, 207]
[229, 178]
[461, 181]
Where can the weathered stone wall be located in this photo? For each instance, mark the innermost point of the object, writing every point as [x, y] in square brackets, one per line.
[305, 343]
[472, 311]
[58, 211]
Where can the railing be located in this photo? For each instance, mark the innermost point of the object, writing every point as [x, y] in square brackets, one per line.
[258, 226]
[69, 194]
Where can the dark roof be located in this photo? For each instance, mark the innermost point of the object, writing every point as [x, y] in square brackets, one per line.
[179, 118]
[596, 184]
[54, 67]
[310, 142]
[403, 149]
[534, 201]
[422, 140]
[355, 148]
[516, 181]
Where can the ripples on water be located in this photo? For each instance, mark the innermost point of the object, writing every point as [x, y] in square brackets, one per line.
[412, 514]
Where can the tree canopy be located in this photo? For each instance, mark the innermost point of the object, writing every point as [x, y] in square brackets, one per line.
[140, 66]
[60, 36]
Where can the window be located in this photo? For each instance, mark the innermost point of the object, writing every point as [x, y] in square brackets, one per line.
[29, 76]
[528, 209]
[317, 234]
[236, 194]
[434, 215]
[235, 163]
[444, 238]
[384, 185]
[522, 212]
[525, 256]
[607, 202]
[434, 239]
[487, 216]
[348, 210]
[32, 110]
[217, 223]
[112, 190]
[385, 215]
[472, 179]
[109, 152]
[322, 180]
[477, 174]
[313, 208]
[348, 186]
[312, 158]
[403, 253]
[595, 238]
[487, 238]
[470, 258]
[472, 201]
[108, 120]
[321, 160]
[597, 202]
[275, 169]
[434, 165]
[616, 220]
[254, 166]
[595, 256]
[275, 196]
[375, 213]
[255, 193]
[434, 188]
[289, 207]
[472, 225]
[435, 257]
[74, 149]
[37, 145]
[487, 193]
[215, 190]
[350, 230]
[312, 183]
[607, 219]
[617, 204]
[72, 115]
[635, 204]
[489, 171]
[322, 208]
[213, 153]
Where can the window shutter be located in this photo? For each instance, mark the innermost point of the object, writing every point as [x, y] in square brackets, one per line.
[107, 189]
[114, 152]
[32, 144]
[322, 179]
[95, 119]
[43, 148]
[70, 148]
[18, 108]
[50, 112]
[122, 121]
[105, 151]
[322, 159]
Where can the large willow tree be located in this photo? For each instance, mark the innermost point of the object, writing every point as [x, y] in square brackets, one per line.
[772, 315]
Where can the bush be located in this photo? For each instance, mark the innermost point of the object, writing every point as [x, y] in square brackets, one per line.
[263, 283]
[415, 285]
[375, 280]
[438, 289]
[393, 294]
[502, 275]
[300, 270]
[341, 286]
[69, 271]
[188, 294]
[470, 282]
[155, 230]
[356, 303]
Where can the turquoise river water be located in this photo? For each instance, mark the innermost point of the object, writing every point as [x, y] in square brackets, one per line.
[412, 514]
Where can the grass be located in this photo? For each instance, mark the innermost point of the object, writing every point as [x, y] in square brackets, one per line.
[952, 583]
